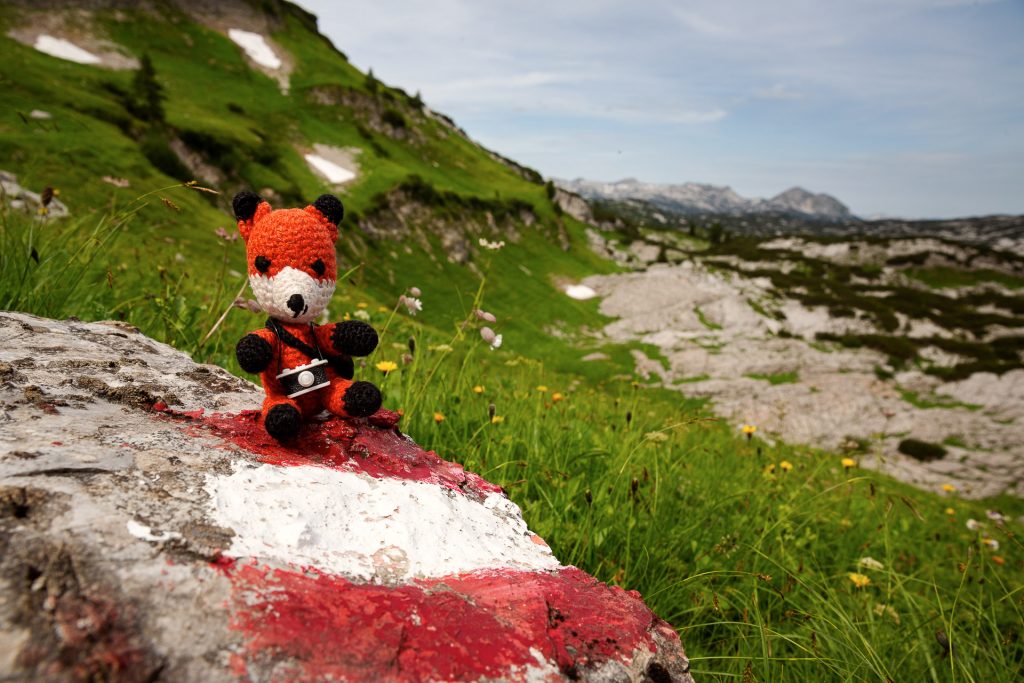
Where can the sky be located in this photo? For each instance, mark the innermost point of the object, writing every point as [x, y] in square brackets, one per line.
[911, 108]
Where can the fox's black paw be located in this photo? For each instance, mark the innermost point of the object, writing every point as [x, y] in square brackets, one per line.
[354, 338]
[254, 353]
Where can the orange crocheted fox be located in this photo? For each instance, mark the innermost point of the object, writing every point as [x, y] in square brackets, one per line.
[305, 368]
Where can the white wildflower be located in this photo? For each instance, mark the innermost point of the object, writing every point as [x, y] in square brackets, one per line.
[973, 525]
[870, 563]
[415, 291]
[991, 543]
[493, 246]
[488, 335]
[362, 314]
[484, 315]
[411, 303]
[995, 516]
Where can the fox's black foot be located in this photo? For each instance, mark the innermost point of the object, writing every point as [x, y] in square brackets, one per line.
[283, 422]
[362, 399]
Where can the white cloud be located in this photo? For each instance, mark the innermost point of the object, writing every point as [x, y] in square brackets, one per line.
[699, 24]
[777, 92]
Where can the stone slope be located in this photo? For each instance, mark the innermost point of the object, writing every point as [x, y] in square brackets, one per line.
[718, 345]
[150, 530]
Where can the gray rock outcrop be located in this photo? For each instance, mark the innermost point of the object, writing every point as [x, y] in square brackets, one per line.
[151, 531]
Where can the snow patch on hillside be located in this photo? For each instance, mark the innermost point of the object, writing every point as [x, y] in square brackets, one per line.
[64, 49]
[336, 164]
[333, 172]
[580, 292]
[256, 48]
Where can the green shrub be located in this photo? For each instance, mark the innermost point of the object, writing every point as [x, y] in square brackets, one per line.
[154, 146]
[394, 118]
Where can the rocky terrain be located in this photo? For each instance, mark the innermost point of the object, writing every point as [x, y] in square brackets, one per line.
[151, 531]
[697, 208]
[733, 329]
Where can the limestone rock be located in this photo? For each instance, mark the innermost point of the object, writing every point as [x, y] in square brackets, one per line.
[151, 531]
[17, 197]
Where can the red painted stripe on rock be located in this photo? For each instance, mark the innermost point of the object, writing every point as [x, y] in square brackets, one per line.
[308, 626]
[374, 447]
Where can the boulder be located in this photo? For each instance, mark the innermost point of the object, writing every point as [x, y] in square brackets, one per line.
[17, 197]
[151, 531]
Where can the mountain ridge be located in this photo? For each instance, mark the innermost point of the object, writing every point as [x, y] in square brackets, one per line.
[701, 198]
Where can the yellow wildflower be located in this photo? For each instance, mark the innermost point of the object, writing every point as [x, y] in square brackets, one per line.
[770, 469]
[785, 465]
[541, 388]
[556, 397]
[383, 309]
[362, 304]
[848, 463]
[438, 418]
[950, 511]
[948, 488]
[859, 580]
[749, 429]
[497, 419]
[387, 366]
[478, 389]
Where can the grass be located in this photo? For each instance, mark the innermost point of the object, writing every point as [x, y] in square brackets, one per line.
[749, 558]
[934, 401]
[791, 377]
[704, 320]
[945, 277]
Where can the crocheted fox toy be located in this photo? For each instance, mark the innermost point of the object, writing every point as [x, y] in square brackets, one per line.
[305, 368]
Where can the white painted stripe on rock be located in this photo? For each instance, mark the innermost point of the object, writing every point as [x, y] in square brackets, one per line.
[386, 530]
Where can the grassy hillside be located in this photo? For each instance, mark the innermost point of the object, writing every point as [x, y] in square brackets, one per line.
[750, 548]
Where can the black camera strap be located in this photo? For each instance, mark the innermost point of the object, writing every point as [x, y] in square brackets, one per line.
[289, 339]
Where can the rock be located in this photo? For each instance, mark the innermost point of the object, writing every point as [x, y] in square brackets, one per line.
[15, 196]
[718, 333]
[574, 205]
[150, 530]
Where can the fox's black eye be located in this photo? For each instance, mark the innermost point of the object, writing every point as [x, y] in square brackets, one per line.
[318, 267]
[262, 264]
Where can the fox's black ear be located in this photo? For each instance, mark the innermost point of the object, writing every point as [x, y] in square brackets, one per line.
[330, 207]
[244, 205]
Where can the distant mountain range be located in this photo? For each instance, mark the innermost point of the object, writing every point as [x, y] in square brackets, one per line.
[703, 199]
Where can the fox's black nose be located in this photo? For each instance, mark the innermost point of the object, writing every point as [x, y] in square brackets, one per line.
[296, 303]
